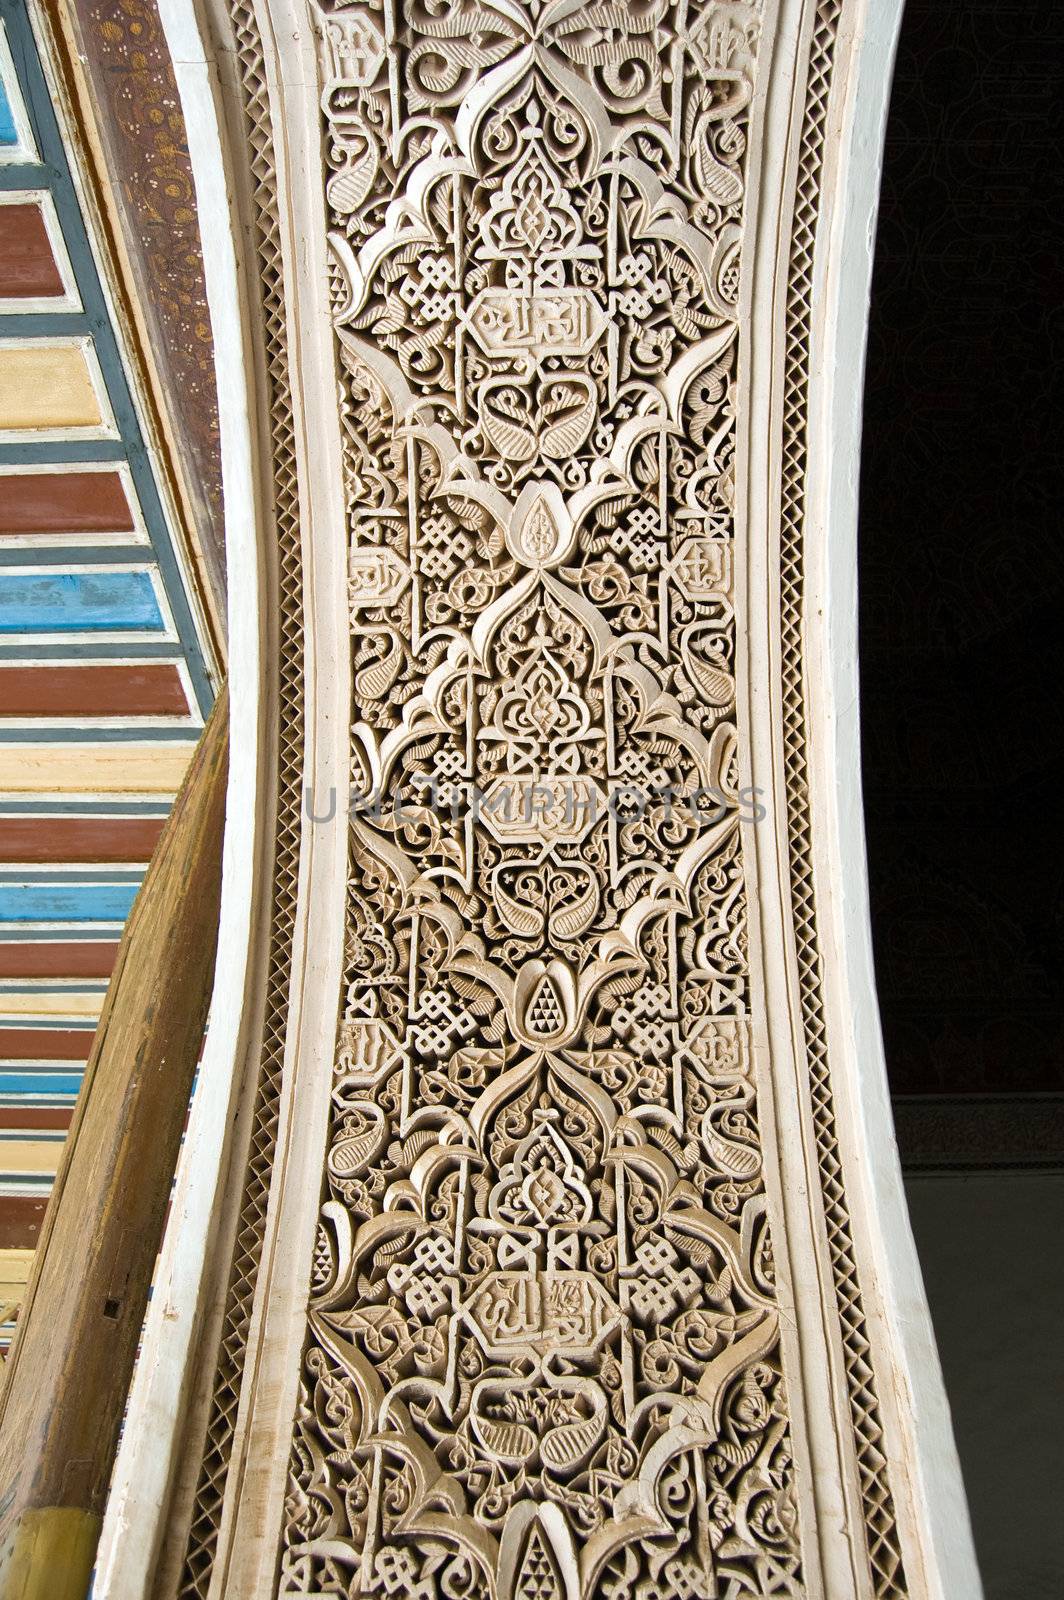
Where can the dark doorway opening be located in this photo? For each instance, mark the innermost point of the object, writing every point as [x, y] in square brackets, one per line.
[962, 694]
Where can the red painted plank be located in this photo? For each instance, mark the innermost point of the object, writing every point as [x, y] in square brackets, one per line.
[64, 502]
[20, 1220]
[27, 265]
[45, 1044]
[147, 689]
[35, 1116]
[61, 959]
[75, 839]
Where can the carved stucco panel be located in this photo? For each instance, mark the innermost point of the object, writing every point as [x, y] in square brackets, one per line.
[539, 323]
[543, 1340]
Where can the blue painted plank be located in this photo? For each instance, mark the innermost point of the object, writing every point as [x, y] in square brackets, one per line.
[33, 807]
[66, 902]
[98, 648]
[39, 1083]
[78, 602]
[8, 131]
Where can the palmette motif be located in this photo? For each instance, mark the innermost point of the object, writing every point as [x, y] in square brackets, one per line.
[543, 1352]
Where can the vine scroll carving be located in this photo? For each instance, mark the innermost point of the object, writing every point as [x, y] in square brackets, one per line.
[503, 1321]
[543, 1352]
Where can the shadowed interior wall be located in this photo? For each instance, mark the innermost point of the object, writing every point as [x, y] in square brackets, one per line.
[997, 1299]
[962, 565]
[961, 585]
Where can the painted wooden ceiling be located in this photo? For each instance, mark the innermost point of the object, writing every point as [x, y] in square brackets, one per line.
[106, 673]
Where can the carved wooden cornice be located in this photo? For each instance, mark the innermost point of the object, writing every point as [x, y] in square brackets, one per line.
[122, 82]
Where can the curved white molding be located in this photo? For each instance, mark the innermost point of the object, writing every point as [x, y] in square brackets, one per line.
[257, 1479]
[165, 1372]
[938, 1530]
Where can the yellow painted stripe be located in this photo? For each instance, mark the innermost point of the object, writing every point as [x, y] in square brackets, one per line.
[93, 768]
[14, 1274]
[62, 1003]
[14, 1267]
[48, 1553]
[30, 1155]
[47, 386]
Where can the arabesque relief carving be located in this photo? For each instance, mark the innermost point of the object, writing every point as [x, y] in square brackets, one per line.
[543, 1354]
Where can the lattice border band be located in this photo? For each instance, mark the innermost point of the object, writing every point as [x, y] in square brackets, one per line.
[210, 1491]
[880, 1518]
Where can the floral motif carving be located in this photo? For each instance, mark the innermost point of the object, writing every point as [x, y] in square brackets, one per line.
[543, 1356]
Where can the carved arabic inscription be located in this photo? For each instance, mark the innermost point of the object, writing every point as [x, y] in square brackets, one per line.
[542, 1358]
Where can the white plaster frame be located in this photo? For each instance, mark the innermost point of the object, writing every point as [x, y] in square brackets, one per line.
[136, 1513]
[257, 1477]
[925, 1475]
[933, 1511]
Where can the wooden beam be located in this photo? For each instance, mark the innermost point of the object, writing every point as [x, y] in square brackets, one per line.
[70, 1366]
